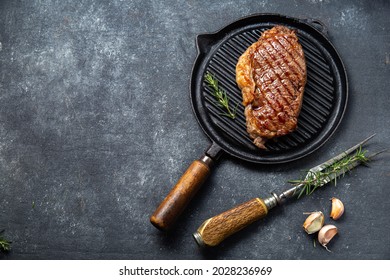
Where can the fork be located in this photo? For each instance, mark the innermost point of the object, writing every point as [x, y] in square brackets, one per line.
[216, 229]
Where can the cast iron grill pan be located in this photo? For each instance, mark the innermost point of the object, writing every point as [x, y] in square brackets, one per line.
[324, 100]
[324, 103]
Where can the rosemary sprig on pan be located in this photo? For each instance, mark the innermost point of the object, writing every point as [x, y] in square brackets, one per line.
[313, 180]
[220, 95]
[5, 245]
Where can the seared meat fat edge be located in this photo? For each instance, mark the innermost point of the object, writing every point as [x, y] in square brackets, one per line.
[271, 74]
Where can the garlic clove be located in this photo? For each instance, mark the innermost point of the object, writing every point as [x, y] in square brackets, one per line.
[326, 234]
[337, 208]
[314, 222]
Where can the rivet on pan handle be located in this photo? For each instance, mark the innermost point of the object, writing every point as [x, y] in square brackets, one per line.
[185, 189]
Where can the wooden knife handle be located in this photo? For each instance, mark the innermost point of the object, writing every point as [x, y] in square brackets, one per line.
[216, 229]
[176, 201]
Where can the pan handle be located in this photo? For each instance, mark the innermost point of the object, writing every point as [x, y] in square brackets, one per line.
[214, 230]
[317, 24]
[205, 41]
[185, 189]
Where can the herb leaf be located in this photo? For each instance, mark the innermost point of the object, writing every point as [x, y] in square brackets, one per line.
[220, 95]
[313, 180]
[5, 245]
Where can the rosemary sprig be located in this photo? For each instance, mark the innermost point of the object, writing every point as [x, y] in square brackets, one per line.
[5, 245]
[220, 95]
[314, 180]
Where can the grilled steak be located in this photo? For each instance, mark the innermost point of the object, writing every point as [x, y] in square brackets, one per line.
[271, 74]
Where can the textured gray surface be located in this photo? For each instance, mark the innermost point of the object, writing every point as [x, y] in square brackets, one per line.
[96, 126]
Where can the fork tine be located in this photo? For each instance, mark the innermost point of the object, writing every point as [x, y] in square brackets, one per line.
[377, 153]
[325, 164]
[350, 166]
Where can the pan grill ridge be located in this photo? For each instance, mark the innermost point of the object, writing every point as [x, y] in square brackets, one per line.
[318, 98]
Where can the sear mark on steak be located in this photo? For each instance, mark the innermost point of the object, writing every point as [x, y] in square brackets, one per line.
[271, 74]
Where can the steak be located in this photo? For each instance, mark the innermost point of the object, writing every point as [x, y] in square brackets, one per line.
[271, 74]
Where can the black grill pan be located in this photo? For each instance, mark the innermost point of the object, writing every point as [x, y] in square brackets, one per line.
[324, 102]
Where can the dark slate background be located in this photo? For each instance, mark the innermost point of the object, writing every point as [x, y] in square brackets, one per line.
[96, 127]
